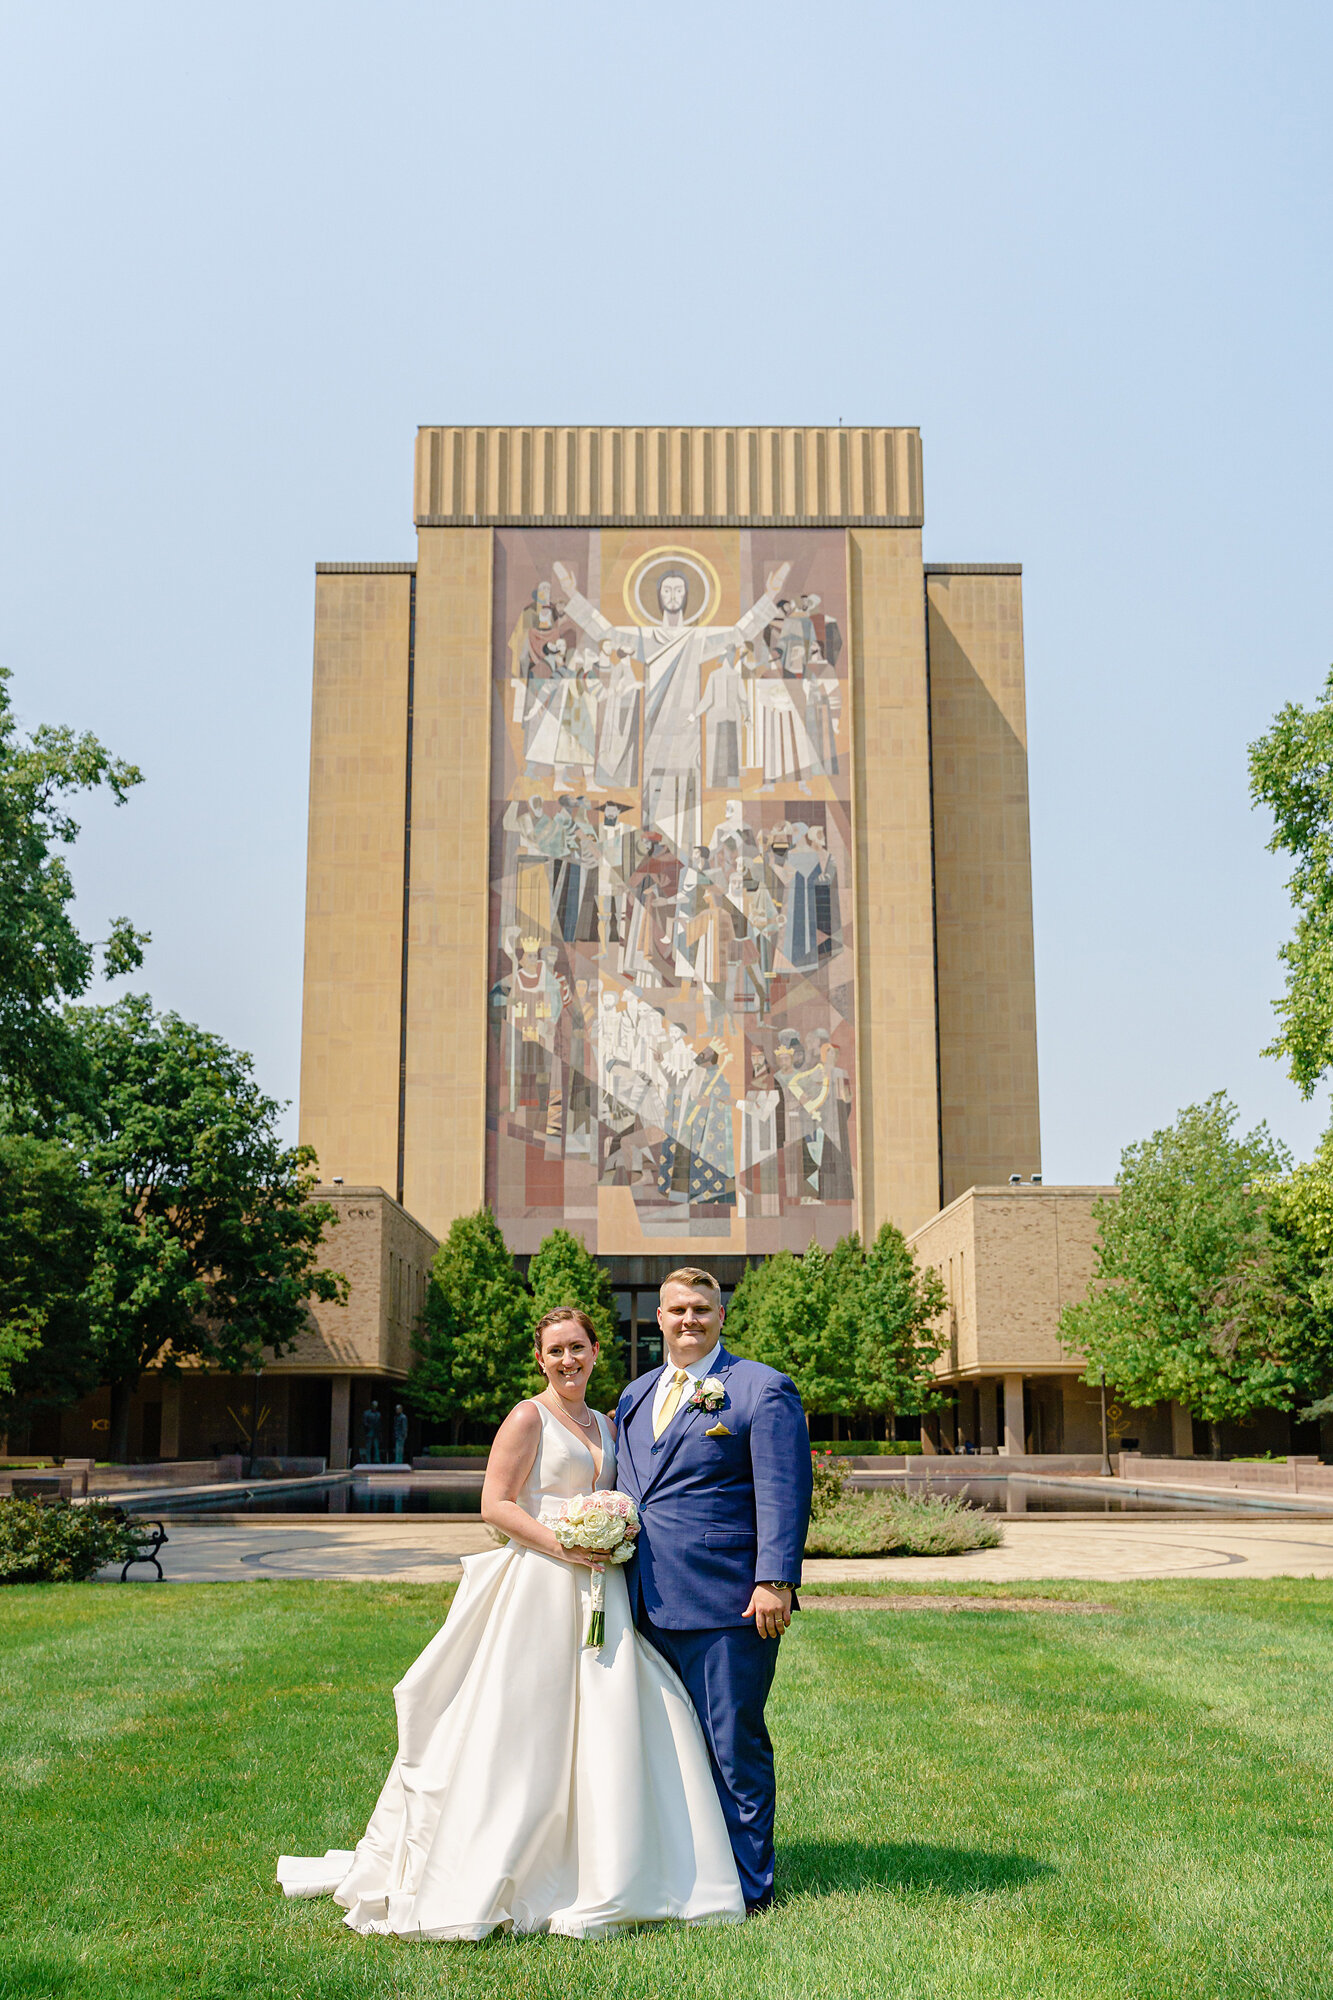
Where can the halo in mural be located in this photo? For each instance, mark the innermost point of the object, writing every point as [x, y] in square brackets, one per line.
[642, 583]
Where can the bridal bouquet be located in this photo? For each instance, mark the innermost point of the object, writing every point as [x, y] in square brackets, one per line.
[607, 1522]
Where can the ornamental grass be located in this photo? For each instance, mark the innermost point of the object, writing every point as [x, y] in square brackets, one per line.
[844, 1522]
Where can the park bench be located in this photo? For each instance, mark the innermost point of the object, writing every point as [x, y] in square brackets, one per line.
[151, 1536]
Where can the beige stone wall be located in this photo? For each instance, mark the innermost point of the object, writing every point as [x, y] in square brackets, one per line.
[983, 880]
[354, 883]
[386, 1256]
[445, 1126]
[926, 1130]
[895, 946]
[1011, 1259]
[692, 475]
[948, 1242]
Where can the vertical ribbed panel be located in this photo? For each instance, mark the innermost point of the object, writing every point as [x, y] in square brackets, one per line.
[567, 474]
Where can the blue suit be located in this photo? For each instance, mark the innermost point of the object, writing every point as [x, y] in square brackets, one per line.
[720, 1514]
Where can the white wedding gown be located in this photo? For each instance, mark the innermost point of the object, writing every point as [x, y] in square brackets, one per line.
[538, 1785]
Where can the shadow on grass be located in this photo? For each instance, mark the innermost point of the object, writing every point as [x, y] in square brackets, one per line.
[829, 1867]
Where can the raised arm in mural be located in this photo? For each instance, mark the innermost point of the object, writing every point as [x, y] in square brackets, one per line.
[672, 593]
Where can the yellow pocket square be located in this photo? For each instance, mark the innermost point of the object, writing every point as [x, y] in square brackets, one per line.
[718, 1431]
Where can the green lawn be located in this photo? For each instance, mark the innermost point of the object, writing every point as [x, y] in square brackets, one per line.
[1131, 1803]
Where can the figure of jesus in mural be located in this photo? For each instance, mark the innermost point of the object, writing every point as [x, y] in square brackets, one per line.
[672, 655]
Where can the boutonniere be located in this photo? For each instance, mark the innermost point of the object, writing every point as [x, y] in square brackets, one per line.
[709, 1394]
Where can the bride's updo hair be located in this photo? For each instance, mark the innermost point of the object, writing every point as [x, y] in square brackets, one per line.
[556, 1317]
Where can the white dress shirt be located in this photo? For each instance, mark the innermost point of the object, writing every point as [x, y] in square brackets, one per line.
[696, 1370]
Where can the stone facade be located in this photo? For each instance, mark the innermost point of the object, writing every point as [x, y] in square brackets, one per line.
[938, 1081]
[309, 1402]
[1010, 1259]
[983, 877]
[350, 1048]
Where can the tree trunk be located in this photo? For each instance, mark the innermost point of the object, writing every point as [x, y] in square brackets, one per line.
[1215, 1439]
[118, 1444]
[455, 1426]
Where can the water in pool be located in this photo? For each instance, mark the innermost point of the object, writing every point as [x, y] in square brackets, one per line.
[992, 1493]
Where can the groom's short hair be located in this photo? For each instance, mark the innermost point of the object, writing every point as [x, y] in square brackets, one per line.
[691, 1274]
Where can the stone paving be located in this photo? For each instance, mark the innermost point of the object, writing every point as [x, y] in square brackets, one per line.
[427, 1549]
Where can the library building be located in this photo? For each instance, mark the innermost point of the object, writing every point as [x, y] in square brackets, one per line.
[669, 882]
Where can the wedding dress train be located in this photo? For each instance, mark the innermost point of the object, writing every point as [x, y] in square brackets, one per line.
[538, 1785]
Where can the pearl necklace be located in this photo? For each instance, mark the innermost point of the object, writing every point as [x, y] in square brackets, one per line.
[591, 1424]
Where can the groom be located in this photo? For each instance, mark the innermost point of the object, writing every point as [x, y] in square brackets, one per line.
[715, 1452]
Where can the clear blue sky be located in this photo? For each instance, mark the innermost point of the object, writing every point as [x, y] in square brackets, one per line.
[246, 250]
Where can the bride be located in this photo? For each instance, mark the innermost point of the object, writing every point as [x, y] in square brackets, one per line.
[538, 1785]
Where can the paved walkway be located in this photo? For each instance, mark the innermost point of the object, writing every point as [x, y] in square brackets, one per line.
[425, 1550]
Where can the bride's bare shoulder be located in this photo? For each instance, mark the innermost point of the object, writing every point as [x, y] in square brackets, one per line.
[523, 1421]
[514, 1446]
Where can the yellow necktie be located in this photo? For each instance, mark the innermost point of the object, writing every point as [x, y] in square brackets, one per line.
[671, 1402]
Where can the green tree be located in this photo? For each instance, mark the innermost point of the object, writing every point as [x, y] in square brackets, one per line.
[50, 1219]
[897, 1308]
[1197, 1297]
[1300, 1216]
[564, 1273]
[855, 1330]
[44, 959]
[474, 1344]
[208, 1243]
[1291, 772]
[782, 1313]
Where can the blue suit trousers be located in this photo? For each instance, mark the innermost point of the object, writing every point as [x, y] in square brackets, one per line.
[728, 1672]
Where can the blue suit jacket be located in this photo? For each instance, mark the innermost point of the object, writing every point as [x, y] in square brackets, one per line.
[719, 1514]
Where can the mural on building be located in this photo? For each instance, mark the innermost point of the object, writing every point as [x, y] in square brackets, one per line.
[671, 1000]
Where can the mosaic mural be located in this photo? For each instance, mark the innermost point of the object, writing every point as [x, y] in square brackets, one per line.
[671, 1002]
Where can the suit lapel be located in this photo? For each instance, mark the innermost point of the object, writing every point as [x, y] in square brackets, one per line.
[677, 1431]
[633, 1430]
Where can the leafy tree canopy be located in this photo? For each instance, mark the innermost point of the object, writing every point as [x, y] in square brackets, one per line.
[854, 1329]
[208, 1244]
[1300, 1215]
[899, 1308]
[50, 1218]
[1291, 772]
[780, 1314]
[474, 1344]
[1202, 1290]
[564, 1273]
[44, 960]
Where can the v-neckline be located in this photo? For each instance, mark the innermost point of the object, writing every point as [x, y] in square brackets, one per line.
[597, 1470]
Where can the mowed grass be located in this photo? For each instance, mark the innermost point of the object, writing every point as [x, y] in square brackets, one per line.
[1128, 1803]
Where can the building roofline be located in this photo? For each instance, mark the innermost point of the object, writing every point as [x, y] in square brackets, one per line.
[365, 569]
[973, 569]
[1023, 1191]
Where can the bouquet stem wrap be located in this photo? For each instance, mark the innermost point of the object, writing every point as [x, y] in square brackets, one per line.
[605, 1524]
[597, 1616]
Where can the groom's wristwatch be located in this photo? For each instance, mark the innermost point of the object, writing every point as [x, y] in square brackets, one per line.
[768, 1584]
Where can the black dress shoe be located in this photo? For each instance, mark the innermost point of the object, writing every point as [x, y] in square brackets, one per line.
[757, 1909]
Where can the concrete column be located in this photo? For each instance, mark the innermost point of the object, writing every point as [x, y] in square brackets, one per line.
[340, 1422]
[1182, 1431]
[170, 1446]
[1014, 1439]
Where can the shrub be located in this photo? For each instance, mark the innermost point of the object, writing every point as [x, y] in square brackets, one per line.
[829, 1484]
[59, 1543]
[900, 1524]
